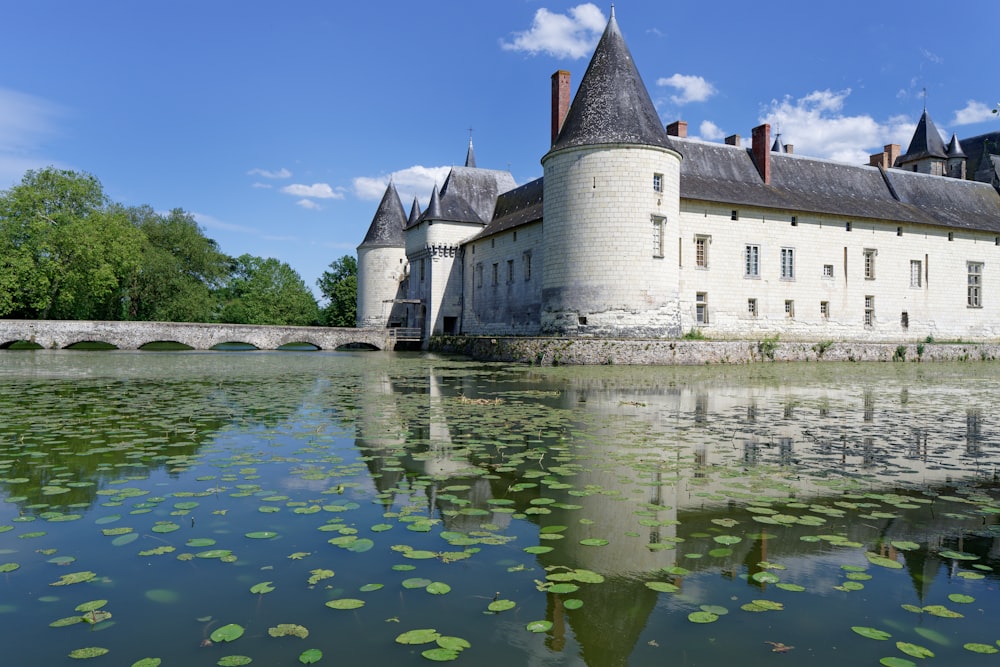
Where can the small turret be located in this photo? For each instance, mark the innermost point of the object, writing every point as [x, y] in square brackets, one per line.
[926, 153]
[956, 158]
[382, 265]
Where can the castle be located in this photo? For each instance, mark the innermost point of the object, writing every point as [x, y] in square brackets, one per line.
[636, 231]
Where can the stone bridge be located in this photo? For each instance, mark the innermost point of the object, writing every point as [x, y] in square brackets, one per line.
[58, 334]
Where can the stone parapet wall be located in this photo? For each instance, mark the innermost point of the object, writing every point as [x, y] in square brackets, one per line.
[596, 351]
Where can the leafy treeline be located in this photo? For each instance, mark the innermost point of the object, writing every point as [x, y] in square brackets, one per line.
[68, 252]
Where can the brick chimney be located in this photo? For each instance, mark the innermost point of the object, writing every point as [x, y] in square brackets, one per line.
[789, 149]
[762, 151]
[678, 128]
[733, 140]
[560, 101]
[891, 154]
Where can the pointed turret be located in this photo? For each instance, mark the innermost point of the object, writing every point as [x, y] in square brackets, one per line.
[387, 226]
[470, 157]
[777, 146]
[955, 147]
[433, 211]
[956, 158]
[414, 212]
[612, 105]
[926, 152]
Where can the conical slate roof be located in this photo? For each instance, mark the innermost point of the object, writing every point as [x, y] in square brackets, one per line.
[470, 157]
[612, 105]
[926, 142]
[387, 226]
[954, 147]
[414, 212]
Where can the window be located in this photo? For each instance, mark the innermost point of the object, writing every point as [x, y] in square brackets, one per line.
[657, 182]
[701, 251]
[788, 263]
[479, 274]
[526, 259]
[510, 270]
[975, 298]
[869, 310]
[421, 270]
[496, 273]
[824, 309]
[828, 270]
[916, 273]
[869, 255]
[849, 226]
[515, 236]
[657, 236]
[752, 307]
[951, 236]
[751, 261]
[789, 308]
[899, 231]
[734, 215]
[795, 221]
[904, 320]
[701, 308]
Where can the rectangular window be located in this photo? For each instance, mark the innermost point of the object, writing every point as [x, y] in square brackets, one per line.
[975, 294]
[848, 226]
[899, 231]
[701, 307]
[788, 263]
[421, 270]
[904, 320]
[869, 254]
[496, 273]
[701, 251]
[657, 182]
[752, 307]
[795, 221]
[479, 275]
[515, 236]
[916, 273]
[510, 270]
[657, 236]
[869, 310]
[526, 259]
[789, 308]
[734, 215]
[951, 236]
[751, 257]
[824, 309]
[828, 270]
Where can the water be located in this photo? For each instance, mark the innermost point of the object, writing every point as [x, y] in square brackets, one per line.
[608, 507]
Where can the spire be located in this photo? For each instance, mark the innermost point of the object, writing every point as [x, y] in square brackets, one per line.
[433, 211]
[954, 147]
[470, 157]
[414, 212]
[387, 226]
[926, 141]
[777, 146]
[612, 105]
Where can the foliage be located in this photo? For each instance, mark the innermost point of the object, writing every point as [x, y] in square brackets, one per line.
[266, 291]
[67, 250]
[339, 286]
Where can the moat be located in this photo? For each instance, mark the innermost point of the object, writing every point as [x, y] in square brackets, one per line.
[204, 508]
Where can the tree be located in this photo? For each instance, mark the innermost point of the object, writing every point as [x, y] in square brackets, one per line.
[266, 291]
[65, 249]
[339, 285]
[180, 269]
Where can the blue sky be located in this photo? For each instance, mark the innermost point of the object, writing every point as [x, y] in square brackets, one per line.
[277, 124]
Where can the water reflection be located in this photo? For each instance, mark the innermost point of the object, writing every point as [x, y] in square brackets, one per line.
[657, 462]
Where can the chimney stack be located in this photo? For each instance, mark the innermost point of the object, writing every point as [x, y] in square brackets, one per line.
[560, 102]
[789, 149]
[887, 158]
[762, 151]
[678, 128]
[733, 140]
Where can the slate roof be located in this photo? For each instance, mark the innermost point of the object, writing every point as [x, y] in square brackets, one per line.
[386, 230]
[955, 147]
[952, 202]
[974, 148]
[414, 212]
[926, 142]
[469, 195]
[612, 105]
[515, 208]
[470, 157]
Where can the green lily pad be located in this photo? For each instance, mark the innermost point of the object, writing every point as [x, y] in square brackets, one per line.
[91, 606]
[360, 545]
[421, 636]
[367, 588]
[563, 588]
[89, 652]
[871, 633]
[346, 603]
[941, 611]
[794, 588]
[288, 630]
[572, 603]
[438, 588]
[165, 527]
[8, 567]
[960, 598]
[416, 582]
[74, 578]
[199, 542]
[147, 662]
[227, 633]
[914, 650]
[63, 622]
[958, 555]
[594, 542]
[882, 561]
[765, 578]
[903, 545]
[234, 661]
[310, 656]
[980, 648]
[703, 617]
[501, 605]
[893, 661]
[261, 535]
[539, 626]
[662, 586]
[440, 654]
[262, 587]
[538, 549]
[727, 539]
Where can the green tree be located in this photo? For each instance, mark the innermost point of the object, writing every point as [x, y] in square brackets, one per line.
[339, 286]
[180, 270]
[65, 249]
[266, 291]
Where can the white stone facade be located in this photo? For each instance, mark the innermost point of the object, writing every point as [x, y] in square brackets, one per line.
[384, 269]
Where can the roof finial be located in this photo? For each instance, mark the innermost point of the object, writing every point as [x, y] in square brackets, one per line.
[612, 10]
[925, 99]
[470, 156]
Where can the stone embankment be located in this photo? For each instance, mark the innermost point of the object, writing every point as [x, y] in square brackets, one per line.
[595, 351]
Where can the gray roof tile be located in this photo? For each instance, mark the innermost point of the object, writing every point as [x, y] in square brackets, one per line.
[387, 226]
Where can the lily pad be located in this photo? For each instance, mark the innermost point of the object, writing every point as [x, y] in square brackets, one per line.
[594, 542]
[74, 578]
[572, 603]
[421, 636]
[310, 656]
[346, 603]
[262, 587]
[501, 605]
[234, 661]
[703, 617]
[89, 652]
[539, 626]
[980, 648]
[227, 633]
[914, 650]
[288, 630]
[261, 534]
[871, 633]
[438, 588]
[440, 654]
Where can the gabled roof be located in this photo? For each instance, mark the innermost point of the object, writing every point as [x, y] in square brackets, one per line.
[612, 105]
[515, 208]
[926, 142]
[387, 226]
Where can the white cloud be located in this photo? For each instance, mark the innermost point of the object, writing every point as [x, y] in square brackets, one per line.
[710, 131]
[415, 181]
[25, 122]
[817, 127]
[974, 112]
[692, 88]
[211, 222]
[316, 191]
[931, 56]
[309, 204]
[264, 173]
[561, 35]
[266, 186]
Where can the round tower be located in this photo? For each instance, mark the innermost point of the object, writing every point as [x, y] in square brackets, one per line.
[611, 203]
[382, 266]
